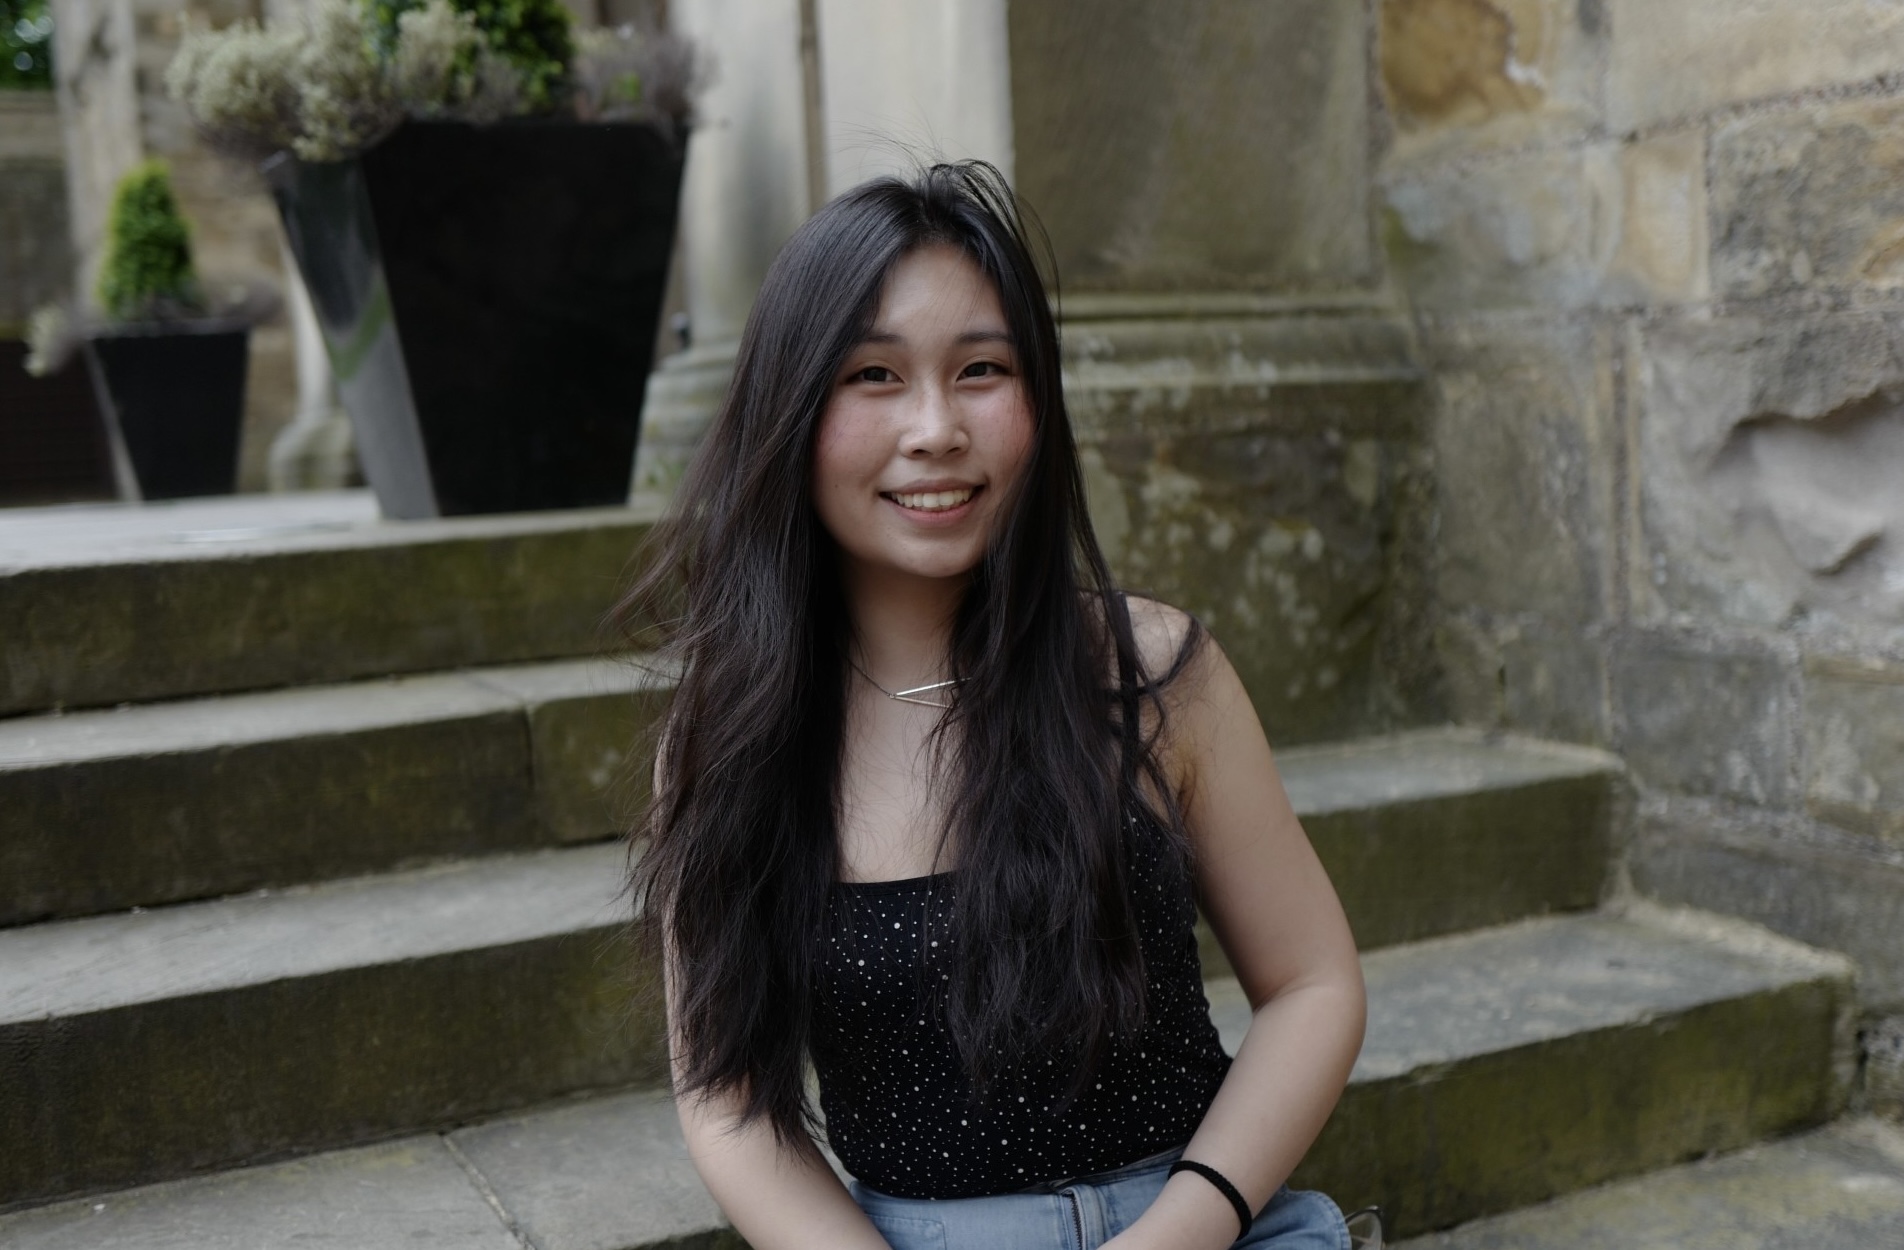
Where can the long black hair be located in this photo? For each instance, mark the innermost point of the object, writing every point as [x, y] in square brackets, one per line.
[1048, 753]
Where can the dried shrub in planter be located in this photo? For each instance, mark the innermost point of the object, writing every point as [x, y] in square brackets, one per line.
[533, 36]
[318, 88]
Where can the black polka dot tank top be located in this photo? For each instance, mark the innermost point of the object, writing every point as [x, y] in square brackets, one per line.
[900, 1112]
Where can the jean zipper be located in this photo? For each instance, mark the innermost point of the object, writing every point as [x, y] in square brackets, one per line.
[1077, 1217]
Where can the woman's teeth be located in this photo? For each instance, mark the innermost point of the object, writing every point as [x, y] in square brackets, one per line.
[933, 501]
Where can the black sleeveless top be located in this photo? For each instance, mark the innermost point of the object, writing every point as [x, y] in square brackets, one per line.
[900, 1111]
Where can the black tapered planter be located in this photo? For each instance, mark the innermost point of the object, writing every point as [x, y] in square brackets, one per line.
[176, 396]
[489, 296]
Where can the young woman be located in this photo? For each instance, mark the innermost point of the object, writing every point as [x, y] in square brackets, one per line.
[934, 799]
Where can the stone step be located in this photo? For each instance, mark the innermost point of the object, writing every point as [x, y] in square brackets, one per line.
[166, 802]
[1424, 833]
[1841, 1188]
[1501, 1068]
[151, 1044]
[1443, 830]
[605, 1173]
[113, 603]
[1510, 1065]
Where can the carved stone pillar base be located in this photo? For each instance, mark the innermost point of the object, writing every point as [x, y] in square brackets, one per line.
[1256, 461]
[683, 396]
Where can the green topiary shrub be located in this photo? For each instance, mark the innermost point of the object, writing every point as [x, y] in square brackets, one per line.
[148, 268]
[534, 36]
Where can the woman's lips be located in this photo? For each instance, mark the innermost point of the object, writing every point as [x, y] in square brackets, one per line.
[932, 500]
[934, 507]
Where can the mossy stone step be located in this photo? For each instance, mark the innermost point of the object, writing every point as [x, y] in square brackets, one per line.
[1510, 1065]
[1438, 831]
[1424, 833]
[140, 1046]
[108, 604]
[167, 802]
[1841, 1188]
[1501, 1068]
[604, 1173]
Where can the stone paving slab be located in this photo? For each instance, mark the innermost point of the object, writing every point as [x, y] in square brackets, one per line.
[138, 1046]
[1508, 1066]
[162, 803]
[403, 1195]
[1838, 1189]
[113, 603]
[599, 1174]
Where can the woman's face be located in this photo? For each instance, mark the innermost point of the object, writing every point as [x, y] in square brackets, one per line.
[928, 427]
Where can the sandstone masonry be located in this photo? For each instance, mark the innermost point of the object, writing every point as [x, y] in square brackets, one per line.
[1654, 251]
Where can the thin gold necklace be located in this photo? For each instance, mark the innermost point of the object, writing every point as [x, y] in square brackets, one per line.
[910, 694]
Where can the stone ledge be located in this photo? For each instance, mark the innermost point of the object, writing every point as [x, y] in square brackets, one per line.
[138, 1046]
[113, 603]
[1441, 830]
[1494, 1041]
[1507, 1066]
[1839, 1189]
[163, 803]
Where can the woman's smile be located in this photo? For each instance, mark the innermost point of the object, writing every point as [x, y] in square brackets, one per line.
[934, 500]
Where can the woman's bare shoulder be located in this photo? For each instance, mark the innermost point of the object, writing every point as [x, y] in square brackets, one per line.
[1166, 636]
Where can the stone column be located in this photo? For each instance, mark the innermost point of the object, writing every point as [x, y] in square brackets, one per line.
[96, 77]
[908, 81]
[747, 188]
[1244, 393]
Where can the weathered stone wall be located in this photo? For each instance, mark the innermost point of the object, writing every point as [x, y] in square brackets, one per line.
[1655, 252]
[35, 260]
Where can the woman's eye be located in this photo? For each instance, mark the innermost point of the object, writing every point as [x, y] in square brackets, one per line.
[874, 373]
[983, 369]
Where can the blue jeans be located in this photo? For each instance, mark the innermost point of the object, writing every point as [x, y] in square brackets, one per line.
[1084, 1214]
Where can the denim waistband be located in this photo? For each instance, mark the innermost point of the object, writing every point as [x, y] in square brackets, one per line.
[1150, 1163]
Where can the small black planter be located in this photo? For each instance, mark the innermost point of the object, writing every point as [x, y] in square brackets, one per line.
[53, 445]
[489, 296]
[177, 397]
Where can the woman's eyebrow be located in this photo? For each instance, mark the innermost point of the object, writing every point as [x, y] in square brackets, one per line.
[884, 338]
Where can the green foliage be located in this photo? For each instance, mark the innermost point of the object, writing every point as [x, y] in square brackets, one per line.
[26, 45]
[148, 267]
[534, 36]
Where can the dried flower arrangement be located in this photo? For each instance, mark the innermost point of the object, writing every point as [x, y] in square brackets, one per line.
[330, 84]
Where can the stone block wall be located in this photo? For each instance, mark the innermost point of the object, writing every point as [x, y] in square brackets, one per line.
[1654, 251]
[35, 259]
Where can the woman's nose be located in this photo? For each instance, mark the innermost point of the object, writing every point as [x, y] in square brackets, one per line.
[936, 426]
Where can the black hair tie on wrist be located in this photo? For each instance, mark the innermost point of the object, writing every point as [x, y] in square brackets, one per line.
[1223, 1186]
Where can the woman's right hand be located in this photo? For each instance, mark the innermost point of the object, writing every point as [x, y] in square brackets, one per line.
[776, 1196]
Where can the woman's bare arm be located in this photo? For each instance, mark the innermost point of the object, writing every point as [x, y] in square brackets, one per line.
[776, 1196]
[779, 1197]
[1278, 918]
